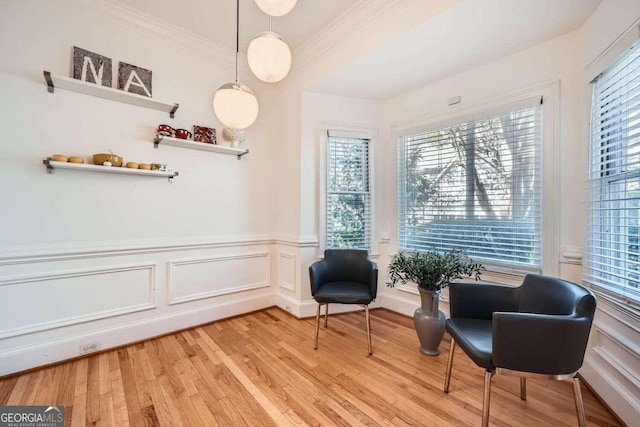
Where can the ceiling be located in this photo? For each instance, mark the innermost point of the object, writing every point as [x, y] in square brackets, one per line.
[468, 34]
[215, 20]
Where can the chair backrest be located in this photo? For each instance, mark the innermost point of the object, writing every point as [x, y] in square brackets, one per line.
[347, 265]
[549, 295]
[549, 334]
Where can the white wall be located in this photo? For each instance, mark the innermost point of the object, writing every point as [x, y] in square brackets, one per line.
[318, 113]
[116, 258]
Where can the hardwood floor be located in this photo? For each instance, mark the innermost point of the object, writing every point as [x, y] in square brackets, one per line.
[261, 369]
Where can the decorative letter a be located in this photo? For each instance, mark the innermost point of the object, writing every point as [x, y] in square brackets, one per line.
[137, 82]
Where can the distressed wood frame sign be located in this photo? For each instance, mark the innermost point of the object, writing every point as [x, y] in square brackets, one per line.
[204, 134]
[91, 67]
[134, 79]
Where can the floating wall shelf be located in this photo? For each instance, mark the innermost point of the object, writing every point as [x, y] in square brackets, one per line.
[51, 165]
[184, 143]
[75, 85]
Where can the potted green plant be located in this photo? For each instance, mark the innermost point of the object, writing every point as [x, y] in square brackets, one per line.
[431, 271]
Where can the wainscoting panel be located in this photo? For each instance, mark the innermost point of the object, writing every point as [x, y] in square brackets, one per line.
[287, 265]
[199, 278]
[39, 302]
[612, 362]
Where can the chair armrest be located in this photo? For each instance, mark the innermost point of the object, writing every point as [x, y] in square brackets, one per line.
[318, 272]
[540, 343]
[373, 279]
[479, 300]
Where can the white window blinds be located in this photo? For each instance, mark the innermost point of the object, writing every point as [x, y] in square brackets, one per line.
[348, 196]
[613, 265]
[475, 186]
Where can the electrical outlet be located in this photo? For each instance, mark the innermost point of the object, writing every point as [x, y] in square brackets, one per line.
[89, 347]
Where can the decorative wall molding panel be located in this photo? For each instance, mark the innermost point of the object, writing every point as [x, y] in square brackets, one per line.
[302, 241]
[599, 373]
[57, 298]
[18, 359]
[571, 255]
[40, 302]
[287, 266]
[612, 361]
[623, 342]
[617, 364]
[63, 252]
[198, 278]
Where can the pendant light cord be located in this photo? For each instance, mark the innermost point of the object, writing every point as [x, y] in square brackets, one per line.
[237, 40]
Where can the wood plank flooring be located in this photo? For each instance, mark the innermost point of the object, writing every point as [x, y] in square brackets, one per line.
[260, 369]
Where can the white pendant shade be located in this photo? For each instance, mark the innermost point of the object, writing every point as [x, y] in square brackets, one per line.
[235, 106]
[276, 7]
[269, 57]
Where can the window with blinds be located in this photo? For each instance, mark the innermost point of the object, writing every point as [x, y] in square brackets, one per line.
[475, 186]
[613, 257]
[348, 196]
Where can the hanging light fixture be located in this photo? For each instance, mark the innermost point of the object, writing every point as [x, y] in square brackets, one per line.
[234, 104]
[269, 56]
[276, 7]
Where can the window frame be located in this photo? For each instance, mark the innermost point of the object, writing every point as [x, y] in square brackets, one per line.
[628, 305]
[349, 131]
[513, 101]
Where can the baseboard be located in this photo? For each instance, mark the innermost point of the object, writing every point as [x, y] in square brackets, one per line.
[46, 353]
[624, 405]
[604, 403]
[406, 306]
[304, 309]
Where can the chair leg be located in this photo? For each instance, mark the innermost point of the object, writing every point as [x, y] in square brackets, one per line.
[366, 311]
[447, 376]
[577, 395]
[486, 398]
[523, 388]
[315, 343]
[326, 315]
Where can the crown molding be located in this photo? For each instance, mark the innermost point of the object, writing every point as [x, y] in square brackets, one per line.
[118, 13]
[361, 14]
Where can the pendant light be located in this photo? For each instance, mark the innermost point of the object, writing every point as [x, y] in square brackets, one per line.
[269, 56]
[276, 7]
[234, 104]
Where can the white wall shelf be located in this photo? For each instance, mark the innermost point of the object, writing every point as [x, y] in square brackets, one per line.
[51, 165]
[53, 81]
[184, 143]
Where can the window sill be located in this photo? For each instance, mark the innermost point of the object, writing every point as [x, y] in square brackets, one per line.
[618, 302]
